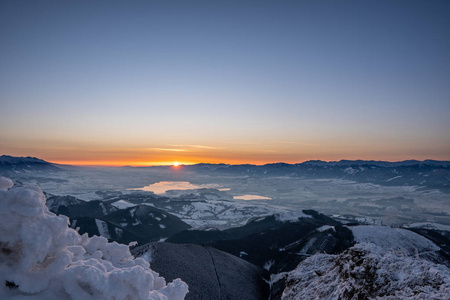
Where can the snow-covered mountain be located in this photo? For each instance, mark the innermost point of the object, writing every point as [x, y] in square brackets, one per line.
[11, 164]
[277, 242]
[140, 223]
[146, 223]
[366, 271]
[74, 208]
[394, 263]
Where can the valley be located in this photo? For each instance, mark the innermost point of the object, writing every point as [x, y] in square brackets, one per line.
[268, 221]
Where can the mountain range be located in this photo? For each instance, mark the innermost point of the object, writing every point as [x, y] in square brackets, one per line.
[427, 174]
[13, 164]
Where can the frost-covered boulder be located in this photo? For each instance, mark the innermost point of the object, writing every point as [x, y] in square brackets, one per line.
[366, 271]
[41, 258]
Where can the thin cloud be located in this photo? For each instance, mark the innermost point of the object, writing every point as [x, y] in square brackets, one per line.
[196, 146]
[268, 151]
[203, 147]
[299, 143]
[168, 149]
[133, 149]
[286, 142]
[243, 143]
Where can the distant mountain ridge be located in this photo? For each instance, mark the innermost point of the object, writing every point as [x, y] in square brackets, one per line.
[427, 174]
[12, 160]
[386, 164]
[341, 163]
[19, 164]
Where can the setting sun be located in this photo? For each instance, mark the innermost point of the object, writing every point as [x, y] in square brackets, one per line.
[176, 164]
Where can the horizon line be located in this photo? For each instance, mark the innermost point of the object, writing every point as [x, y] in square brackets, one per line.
[180, 164]
[110, 163]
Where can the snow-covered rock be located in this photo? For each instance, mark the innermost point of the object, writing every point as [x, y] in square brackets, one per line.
[367, 271]
[42, 258]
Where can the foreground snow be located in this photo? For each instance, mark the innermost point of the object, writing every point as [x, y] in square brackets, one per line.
[41, 258]
[367, 271]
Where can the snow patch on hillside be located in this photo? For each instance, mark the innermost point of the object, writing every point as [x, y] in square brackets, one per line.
[325, 228]
[393, 178]
[395, 238]
[290, 216]
[219, 214]
[429, 225]
[122, 204]
[351, 171]
[102, 228]
[42, 258]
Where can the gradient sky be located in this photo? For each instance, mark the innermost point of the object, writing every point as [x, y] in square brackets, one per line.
[151, 82]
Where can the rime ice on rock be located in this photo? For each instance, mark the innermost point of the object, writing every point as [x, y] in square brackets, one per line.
[367, 271]
[41, 258]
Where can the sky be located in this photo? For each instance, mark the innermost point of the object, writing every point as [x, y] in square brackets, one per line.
[153, 82]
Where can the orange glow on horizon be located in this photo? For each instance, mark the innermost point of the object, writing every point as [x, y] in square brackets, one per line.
[150, 164]
[120, 163]
[170, 161]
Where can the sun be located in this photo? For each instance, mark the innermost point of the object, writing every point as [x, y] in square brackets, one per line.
[176, 164]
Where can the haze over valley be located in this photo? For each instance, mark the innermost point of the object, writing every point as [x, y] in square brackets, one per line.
[393, 194]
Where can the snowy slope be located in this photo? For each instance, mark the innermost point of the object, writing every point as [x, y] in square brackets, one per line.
[393, 238]
[210, 273]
